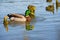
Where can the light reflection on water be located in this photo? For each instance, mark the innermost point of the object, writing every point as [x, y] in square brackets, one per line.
[46, 25]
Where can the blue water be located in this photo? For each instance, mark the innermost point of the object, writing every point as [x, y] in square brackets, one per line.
[46, 26]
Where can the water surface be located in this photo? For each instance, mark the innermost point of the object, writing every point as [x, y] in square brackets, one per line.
[46, 26]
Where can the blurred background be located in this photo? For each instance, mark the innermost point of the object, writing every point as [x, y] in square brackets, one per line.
[46, 24]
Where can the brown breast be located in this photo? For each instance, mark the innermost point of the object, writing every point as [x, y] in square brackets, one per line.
[28, 19]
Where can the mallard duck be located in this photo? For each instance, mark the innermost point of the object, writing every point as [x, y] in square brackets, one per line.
[16, 18]
[21, 18]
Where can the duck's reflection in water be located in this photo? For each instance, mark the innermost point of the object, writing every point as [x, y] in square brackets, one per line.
[26, 37]
[15, 24]
[29, 26]
[6, 27]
